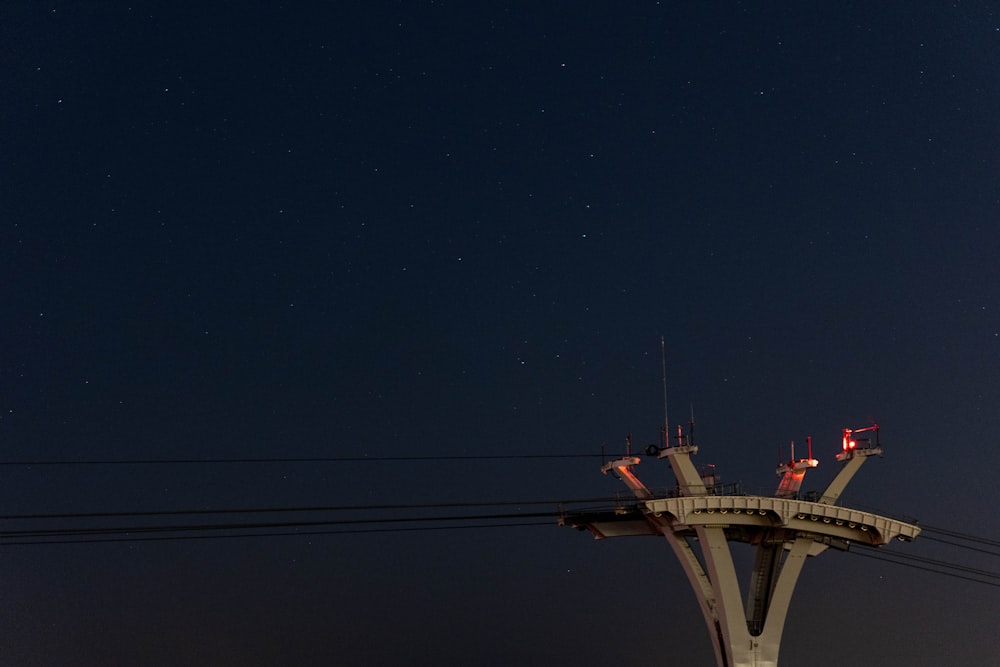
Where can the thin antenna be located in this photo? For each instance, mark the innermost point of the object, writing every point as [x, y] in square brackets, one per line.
[666, 418]
[691, 427]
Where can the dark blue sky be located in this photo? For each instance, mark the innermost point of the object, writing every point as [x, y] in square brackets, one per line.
[444, 229]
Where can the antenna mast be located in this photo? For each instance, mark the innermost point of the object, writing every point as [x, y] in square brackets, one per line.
[666, 418]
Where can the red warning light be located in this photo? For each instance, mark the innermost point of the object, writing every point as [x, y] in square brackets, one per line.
[849, 442]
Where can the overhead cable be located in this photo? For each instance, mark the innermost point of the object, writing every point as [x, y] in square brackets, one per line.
[312, 459]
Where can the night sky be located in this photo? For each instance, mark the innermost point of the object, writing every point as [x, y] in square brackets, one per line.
[284, 256]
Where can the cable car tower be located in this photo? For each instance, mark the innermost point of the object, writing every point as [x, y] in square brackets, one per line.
[785, 529]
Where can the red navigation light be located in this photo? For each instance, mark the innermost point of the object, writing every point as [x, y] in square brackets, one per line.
[849, 442]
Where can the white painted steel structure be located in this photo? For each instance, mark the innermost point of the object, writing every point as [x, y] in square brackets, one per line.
[784, 529]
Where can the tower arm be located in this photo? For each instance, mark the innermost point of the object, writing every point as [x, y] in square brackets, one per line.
[854, 458]
[792, 475]
[621, 469]
[688, 479]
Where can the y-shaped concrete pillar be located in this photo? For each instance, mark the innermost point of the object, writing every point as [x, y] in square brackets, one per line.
[784, 529]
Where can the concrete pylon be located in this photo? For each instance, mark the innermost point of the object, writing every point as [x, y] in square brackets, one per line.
[785, 530]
